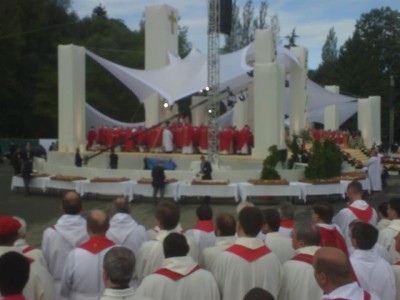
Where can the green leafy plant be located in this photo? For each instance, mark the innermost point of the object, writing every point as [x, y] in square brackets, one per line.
[295, 149]
[269, 164]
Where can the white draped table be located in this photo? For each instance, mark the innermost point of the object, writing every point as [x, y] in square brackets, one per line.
[214, 191]
[124, 188]
[318, 189]
[35, 182]
[248, 190]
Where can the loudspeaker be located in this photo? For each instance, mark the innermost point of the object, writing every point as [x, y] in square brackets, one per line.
[225, 16]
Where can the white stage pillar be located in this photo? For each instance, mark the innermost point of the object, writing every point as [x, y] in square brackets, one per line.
[200, 113]
[331, 113]
[71, 98]
[269, 86]
[369, 120]
[240, 113]
[161, 38]
[298, 91]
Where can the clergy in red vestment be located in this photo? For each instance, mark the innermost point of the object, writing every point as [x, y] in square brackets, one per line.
[286, 212]
[196, 137]
[187, 138]
[225, 140]
[101, 136]
[243, 140]
[109, 136]
[249, 262]
[154, 139]
[331, 236]
[203, 139]
[140, 139]
[129, 143]
[81, 279]
[178, 136]
[91, 137]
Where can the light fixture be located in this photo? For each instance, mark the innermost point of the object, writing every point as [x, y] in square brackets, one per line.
[207, 88]
[210, 111]
[165, 104]
[242, 97]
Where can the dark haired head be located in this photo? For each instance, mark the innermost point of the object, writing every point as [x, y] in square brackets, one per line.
[324, 211]
[167, 213]
[364, 236]
[175, 245]
[204, 212]
[14, 273]
[251, 220]
[272, 219]
[71, 203]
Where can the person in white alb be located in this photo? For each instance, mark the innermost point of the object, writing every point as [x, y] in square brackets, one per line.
[373, 273]
[387, 235]
[151, 254]
[118, 266]
[396, 266]
[248, 262]
[225, 230]
[167, 139]
[61, 238]
[124, 230]
[357, 209]
[286, 212]
[333, 275]
[331, 236]
[203, 232]
[180, 277]
[374, 166]
[21, 244]
[14, 275]
[278, 243]
[298, 280]
[40, 283]
[383, 217]
[81, 279]
[152, 233]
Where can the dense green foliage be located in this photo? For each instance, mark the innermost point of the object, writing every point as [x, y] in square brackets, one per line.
[269, 164]
[366, 61]
[325, 161]
[30, 31]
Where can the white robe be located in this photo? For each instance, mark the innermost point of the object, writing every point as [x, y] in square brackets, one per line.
[373, 273]
[167, 138]
[151, 255]
[235, 275]
[82, 276]
[383, 223]
[211, 253]
[280, 245]
[377, 249]
[374, 173]
[40, 283]
[345, 216]
[69, 232]
[124, 231]
[396, 270]
[386, 239]
[152, 233]
[35, 254]
[198, 285]
[202, 240]
[349, 291]
[127, 294]
[298, 280]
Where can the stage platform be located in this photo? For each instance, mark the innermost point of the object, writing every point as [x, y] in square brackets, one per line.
[235, 168]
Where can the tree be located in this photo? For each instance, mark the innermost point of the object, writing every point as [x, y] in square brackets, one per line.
[291, 38]
[330, 48]
[100, 12]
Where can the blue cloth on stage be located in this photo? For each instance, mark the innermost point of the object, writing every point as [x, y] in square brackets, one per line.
[150, 163]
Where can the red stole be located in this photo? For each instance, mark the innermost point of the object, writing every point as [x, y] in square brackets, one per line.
[332, 238]
[305, 258]
[13, 297]
[248, 254]
[287, 223]
[207, 226]
[27, 249]
[397, 264]
[97, 244]
[363, 215]
[173, 275]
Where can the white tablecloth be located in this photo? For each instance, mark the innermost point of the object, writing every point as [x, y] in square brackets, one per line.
[318, 189]
[124, 188]
[63, 185]
[171, 190]
[37, 182]
[247, 190]
[216, 191]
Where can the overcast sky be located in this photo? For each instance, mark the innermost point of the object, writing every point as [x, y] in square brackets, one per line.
[311, 18]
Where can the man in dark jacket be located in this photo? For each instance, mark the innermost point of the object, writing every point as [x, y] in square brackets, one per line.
[158, 183]
[27, 166]
[205, 169]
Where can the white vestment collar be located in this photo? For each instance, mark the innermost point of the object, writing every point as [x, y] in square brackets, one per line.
[249, 242]
[181, 265]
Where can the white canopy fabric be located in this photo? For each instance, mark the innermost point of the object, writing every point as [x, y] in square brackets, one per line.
[346, 111]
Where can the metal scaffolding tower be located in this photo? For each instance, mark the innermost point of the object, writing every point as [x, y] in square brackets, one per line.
[213, 80]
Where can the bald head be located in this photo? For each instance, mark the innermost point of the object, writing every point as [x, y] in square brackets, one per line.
[332, 268]
[97, 222]
[121, 205]
[71, 203]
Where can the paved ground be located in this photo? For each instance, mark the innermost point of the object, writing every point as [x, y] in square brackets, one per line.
[41, 210]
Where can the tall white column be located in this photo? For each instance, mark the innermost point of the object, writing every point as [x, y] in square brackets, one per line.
[376, 118]
[71, 98]
[331, 113]
[161, 32]
[298, 91]
[269, 86]
[200, 113]
[240, 113]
